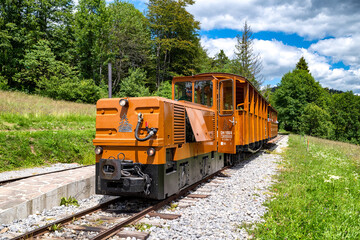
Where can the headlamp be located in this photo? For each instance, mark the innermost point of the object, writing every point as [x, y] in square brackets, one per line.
[98, 150]
[151, 152]
[124, 102]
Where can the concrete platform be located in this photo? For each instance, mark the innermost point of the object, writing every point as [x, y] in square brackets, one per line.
[28, 196]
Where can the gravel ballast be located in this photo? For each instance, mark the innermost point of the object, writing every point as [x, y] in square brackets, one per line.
[237, 200]
[234, 201]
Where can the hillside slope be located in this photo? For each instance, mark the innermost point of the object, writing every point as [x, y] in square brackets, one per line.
[36, 130]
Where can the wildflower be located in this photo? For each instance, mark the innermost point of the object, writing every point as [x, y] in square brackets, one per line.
[334, 177]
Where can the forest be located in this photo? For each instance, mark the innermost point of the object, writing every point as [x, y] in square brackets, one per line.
[57, 49]
[307, 108]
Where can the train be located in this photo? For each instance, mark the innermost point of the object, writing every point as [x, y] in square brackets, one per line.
[152, 147]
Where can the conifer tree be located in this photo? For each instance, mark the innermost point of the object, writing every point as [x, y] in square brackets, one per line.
[302, 65]
[220, 61]
[247, 63]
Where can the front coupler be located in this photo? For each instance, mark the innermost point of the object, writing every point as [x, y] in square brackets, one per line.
[124, 175]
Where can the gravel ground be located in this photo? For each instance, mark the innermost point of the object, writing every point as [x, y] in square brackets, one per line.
[235, 201]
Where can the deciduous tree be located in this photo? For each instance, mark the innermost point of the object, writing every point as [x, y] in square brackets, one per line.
[316, 121]
[129, 40]
[91, 36]
[165, 90]
[296, 90]
[345, 115]
[176, 41]
[23, 23]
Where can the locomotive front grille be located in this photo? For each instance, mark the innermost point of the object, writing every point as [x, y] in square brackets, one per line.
[179, 124]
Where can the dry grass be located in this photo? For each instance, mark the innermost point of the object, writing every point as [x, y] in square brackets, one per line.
[24, 104]
[351, 151]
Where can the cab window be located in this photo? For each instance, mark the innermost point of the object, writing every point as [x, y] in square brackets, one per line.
[226, 97]
[203, 93]
[183, 91]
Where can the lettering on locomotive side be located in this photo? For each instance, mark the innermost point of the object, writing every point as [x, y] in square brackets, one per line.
[226, 135]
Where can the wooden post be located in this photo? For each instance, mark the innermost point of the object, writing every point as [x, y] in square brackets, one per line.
[307, 149]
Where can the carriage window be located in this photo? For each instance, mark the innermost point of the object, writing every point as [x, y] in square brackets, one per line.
[183, 91]
[203, 93]
[240, 96]
[226, 97]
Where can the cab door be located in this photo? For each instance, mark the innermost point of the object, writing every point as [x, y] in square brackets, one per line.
[226, 122]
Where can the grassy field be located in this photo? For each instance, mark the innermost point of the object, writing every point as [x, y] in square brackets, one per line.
[36, 130]
[19, 111]
[317, 195]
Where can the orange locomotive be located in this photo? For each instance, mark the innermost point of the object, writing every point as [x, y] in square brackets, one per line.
[153, 147]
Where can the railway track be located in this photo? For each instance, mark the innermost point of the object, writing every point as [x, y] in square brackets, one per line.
[3, 182]
[115, 225]
[118, 219]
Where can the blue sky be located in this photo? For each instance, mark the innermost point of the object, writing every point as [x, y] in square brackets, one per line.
[325, 32]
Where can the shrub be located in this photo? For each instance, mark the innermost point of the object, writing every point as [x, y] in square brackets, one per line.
[315, 121]
[72, 90]
[165, 90]
[3, 83]
[45, 75]
[134, 84]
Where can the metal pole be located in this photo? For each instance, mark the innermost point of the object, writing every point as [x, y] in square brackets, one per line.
[110, 79]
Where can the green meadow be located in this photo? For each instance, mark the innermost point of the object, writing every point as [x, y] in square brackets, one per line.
[317, 194]
[36, 131]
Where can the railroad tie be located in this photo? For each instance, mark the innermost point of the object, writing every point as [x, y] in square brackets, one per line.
[135, 234]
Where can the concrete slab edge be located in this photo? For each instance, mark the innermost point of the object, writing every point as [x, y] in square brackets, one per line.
[79, 190]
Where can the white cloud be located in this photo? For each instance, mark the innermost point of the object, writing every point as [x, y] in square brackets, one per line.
[345, 49]
[311, 19]
[279, 59]
[215, 45]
